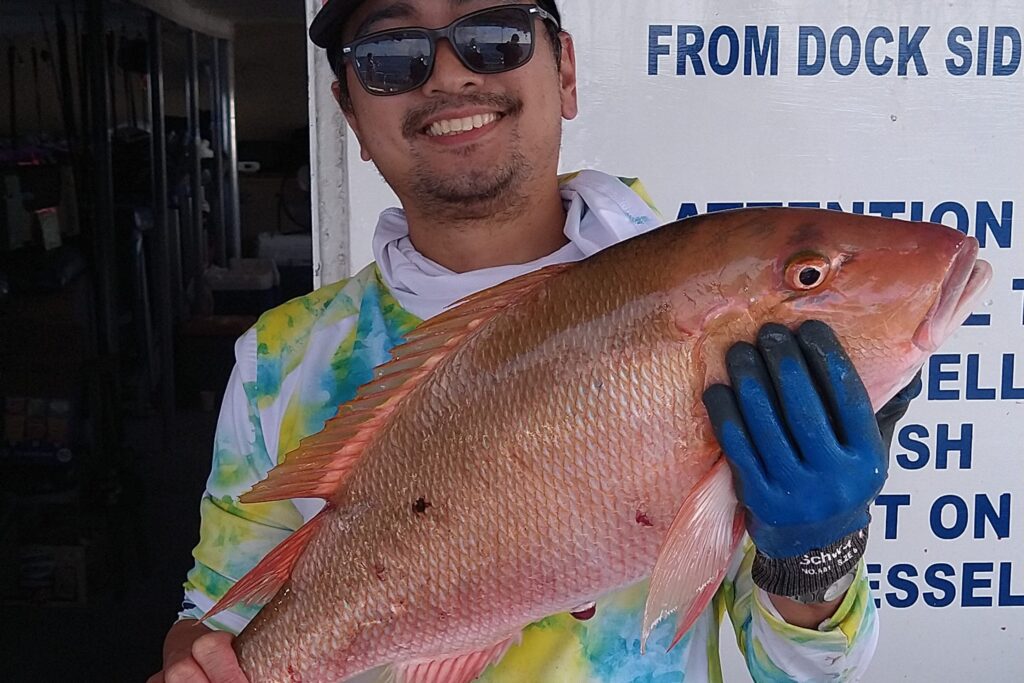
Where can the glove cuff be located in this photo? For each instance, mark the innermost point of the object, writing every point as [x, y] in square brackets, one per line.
[810, 575]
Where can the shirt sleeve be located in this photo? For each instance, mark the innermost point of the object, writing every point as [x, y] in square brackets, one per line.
[233, 537]
[839, 650]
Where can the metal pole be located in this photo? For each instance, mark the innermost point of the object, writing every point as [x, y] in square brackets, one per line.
[233, 232]
[329, 192]
[164, 305]
[217, 139]
[102, 180]
[194, 264]
[105, 381]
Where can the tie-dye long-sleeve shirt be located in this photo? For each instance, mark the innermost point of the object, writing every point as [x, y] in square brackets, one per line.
[303, 359]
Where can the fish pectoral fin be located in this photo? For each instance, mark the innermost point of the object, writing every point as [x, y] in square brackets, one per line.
[263, 581]
[461, 668]
[696, 553]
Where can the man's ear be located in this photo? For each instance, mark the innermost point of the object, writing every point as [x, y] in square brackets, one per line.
[350, 117]
[567, 77]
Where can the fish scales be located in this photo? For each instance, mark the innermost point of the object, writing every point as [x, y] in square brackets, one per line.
[589, 370]
[541, 463]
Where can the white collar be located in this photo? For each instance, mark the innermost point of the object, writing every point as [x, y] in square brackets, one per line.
[601, 211]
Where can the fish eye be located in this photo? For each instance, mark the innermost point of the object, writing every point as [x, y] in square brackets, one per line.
[807, 271]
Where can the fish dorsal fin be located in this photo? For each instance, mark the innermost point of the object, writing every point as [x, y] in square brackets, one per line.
[321, 463]
[456, 669]
[263, 581]
[696, 554]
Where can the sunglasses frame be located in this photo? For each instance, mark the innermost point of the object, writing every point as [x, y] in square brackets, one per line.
[433, 35]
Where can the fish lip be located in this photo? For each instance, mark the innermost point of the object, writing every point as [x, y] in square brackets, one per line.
[965, 280]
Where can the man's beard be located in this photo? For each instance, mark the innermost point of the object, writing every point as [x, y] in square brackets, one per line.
[466, 194]
[471, 193]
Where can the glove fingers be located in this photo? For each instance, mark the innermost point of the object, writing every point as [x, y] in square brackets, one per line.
[759, 407]
[735, 441]
[848, 400]
[806, 415]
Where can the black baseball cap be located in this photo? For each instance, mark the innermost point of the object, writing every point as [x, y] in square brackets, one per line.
[325, 31]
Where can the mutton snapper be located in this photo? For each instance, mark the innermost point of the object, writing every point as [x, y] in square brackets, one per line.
[544, 442]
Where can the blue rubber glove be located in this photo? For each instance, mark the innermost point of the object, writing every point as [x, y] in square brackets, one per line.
[798, 429]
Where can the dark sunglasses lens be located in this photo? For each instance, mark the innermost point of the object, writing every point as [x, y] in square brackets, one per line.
[495, 41]
[394, 62]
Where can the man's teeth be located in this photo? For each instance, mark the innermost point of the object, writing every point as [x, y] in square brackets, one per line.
[456, 126]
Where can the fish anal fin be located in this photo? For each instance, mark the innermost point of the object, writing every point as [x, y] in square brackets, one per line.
[695, 556]
[461, 668]
[322, 463]
[263, 581]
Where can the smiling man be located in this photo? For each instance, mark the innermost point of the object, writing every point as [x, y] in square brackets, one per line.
[459, 104]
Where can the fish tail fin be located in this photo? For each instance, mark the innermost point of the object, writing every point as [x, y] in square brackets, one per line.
[696, 554]
[263, 581]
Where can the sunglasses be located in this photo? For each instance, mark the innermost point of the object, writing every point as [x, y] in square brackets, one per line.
[489, 41]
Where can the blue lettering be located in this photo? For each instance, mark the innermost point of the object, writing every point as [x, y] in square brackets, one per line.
[687, 210]
[910, 48]
[720, 68]
[892, 503]
[948, 588]
[878, 68]
[956, 42]
[714, 207]
[917, 211]
[897, 581]
[984, 511]
[972, 582]
[874, 569]
[1006, 597]
[982, 50]
[906, 439]
[974, 392]
[937, 374]
[959, 526]
[760, 53]
[887, 209]
[963, 221]
[1010, 391]
[1009, 67]
[836, 46]
[805, 67]
[1018, 286]
[1001, 229]
[689, 50]
[978, 320]
[944, 445]
[655, 48]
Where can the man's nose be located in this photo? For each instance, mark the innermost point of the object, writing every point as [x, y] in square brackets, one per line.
[450, 75]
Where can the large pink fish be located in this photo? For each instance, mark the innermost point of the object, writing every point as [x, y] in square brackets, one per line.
[544, 443]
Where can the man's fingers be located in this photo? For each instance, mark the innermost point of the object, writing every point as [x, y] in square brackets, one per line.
[732, 436]
[841, 385]
[185, 670]
[217, 658]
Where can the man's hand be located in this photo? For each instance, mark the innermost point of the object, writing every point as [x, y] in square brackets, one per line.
[195, 654]
[799, 432]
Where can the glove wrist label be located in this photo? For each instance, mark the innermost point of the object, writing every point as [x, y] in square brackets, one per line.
[810, 575]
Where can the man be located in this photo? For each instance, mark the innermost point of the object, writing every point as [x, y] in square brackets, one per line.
[472, 156]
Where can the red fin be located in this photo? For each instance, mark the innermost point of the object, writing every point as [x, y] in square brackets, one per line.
[697, 551]
[322, 462]
[266, 578]
[457, 669]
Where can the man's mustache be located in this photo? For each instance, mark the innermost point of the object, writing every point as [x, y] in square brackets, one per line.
[415, 120]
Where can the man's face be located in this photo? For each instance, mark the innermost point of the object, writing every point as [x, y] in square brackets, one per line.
[472, 171]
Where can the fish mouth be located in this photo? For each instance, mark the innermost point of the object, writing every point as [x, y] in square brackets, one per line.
[965, 280]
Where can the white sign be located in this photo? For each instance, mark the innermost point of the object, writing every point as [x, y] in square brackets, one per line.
[913, 110]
